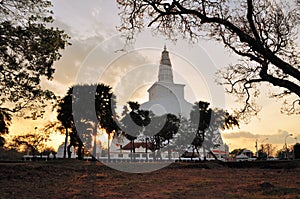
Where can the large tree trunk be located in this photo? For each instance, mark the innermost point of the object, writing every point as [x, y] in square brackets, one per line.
[66, 142]
[79, 152]
[94, 155]
[204, 153]
[108, 147]
[33, 153]
[69, 151]
[146, 150]
[193, 154]
[198, 154]
[133, 150]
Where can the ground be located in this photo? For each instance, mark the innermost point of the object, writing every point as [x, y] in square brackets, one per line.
[78, 179]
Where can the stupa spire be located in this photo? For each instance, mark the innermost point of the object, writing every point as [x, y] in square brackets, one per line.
[165, 73]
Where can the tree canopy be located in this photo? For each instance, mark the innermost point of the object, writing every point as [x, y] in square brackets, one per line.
[263, 33]
[133, 122]
[29, 47]
[206, 123]
[35, 141]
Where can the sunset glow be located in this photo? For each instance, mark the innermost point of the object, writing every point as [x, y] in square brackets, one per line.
[96, 51]
[102, 138]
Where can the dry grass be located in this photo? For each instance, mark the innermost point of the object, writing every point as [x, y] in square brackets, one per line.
[76, 179]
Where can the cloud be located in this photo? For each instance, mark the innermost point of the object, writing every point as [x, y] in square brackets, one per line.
[98, 59]
[238, 135]
[66, 69]
[275, 138]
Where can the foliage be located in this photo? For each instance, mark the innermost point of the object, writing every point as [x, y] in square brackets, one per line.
[65, 117]
[33, 141]
[284, 152]
[29, 47]
[161, 133]
[85, 108]
[2, 142]
[281, 154]
[200, 117]
[133, 123]
[64, 110]
[267, 149]
[165, 128]
[183, 138]
[105, 105]
[170, 132]
[10, 155]
[129, 121]
[156, 131]
[206, 123]
[236, 152]
[54, 126]
[5, 119]
[49, 150]
[76, 142]
[262, 155]
[263, 33]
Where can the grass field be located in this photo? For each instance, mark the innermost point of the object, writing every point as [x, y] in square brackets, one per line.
[78, 179]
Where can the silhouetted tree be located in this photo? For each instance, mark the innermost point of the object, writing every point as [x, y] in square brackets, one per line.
[49, 150]
[281, 153]
[86, 107]
[76, 143]
[33, 141]
[29, 47]
[285, 153]
[263, 33]
[167, 133]
[200, 120]
[5, 120]
[206, 124]
[267, 149]
[161, 132]
[183, 138]
[296, 149]
[105, 105]
[65, 116]
[262, 155]
[236, 152]
[2, 142]
[133, 123]
[56, 127]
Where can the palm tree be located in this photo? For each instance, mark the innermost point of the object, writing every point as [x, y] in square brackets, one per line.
[105, 105]
[64, 110]
[87, 107]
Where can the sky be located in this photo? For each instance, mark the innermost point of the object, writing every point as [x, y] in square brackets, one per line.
[97, 55]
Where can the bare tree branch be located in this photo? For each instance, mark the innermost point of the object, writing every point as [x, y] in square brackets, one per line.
[262, 33]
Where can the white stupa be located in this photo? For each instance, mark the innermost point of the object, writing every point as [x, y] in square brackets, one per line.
[165, 96]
